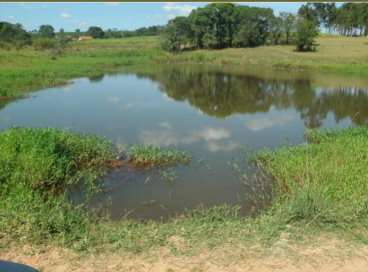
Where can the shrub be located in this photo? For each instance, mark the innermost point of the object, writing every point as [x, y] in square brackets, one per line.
[44, 43]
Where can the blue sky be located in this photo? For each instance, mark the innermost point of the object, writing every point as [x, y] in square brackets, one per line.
[127, 16]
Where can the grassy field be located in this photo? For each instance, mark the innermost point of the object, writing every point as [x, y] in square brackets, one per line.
[26, 70]
[38, 165]
[334, 53]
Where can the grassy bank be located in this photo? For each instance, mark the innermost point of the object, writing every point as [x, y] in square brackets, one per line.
[36, 169]
[26, 70]
[320, 188]
[324, 182]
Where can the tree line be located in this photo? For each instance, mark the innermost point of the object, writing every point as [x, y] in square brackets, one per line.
[223, 25]
[216, 26]
[350, 19]
[46, 37]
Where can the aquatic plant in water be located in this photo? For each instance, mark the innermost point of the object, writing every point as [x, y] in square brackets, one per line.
[147, 155]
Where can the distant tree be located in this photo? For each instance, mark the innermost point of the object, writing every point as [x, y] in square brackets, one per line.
[222, 25]
[288, 24]
[309, 13]
[364, 18]
[96, 32]
[248, 36]
[276, 31]
[46, 31]
[306, 33]
[13, 35]
[326, 13]
[113, 33]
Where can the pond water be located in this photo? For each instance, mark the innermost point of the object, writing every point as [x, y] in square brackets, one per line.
[218, 115]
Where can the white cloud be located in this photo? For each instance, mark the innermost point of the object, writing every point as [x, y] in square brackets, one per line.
[176, 9]
[215, 139]
[65, 15]
[113, 99]
[214, 134]
[219, 146]
[165, 125]
[82, 24]
[10, 19]
[257, 124]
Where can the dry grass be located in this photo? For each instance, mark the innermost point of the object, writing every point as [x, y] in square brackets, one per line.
[321, 254]
[343, 54]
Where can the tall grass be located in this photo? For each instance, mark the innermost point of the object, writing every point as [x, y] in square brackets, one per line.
[36, 168]
[28, 69]
[325, 181]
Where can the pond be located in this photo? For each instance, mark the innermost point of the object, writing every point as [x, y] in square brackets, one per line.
[219, 115]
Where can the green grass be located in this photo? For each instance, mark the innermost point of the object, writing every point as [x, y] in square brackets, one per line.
[324, 182]
[147, 155]
[319, 187]
[37, 166]
[27, 69]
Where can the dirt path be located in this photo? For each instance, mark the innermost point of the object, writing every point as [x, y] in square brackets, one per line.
[327, 256]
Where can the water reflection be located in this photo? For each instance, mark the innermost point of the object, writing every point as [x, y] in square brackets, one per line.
[220, 95]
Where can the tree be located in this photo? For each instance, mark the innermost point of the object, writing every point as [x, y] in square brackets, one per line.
[96, 32]
[276, 30]
[14, 35]
[309, 13]
[46, 31]
[288, 24]
[305, 35]
[220, 25]
[253, 26]
[214, 25]
[326, 13]
[176, 34]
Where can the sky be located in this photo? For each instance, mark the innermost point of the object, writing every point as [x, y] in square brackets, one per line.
[123, 16]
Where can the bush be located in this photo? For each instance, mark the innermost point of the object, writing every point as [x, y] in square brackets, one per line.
[44, 44]
[13, 35]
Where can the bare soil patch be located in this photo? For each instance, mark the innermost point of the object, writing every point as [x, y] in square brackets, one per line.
[321, 255]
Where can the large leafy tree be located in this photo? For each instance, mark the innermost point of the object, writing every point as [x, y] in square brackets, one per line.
[288, 24]
[46, 31]
[177, 34]
[14, 34]
[214, 25]
[96, 32]
[309, 13]
[254, 25]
